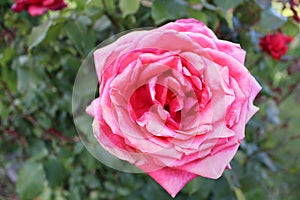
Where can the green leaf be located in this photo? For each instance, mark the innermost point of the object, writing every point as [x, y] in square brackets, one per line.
[83, 41]
[102, 23]
[53, 32]
[84, 20]
[109, 5]
[290, 28]
[38, 34]
[7, 74]
[88, 161]
[264, 3]
[197, 14]
[163, 10]
[30, 180]
[129, 7]
[92, 181]
[78, 148]
[7, 56]
[37, 150]
[80, 4]
[123, 191]
[271, 20]
[55, 172]
[28, 77]
[203, 185]
[233, 181]
[229, 16]
[227, 4]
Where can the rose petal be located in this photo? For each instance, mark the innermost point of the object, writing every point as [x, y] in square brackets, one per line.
[212, 166]
[35, 10]
[172, 180]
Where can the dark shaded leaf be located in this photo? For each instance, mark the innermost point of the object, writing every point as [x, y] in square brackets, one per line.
[164, 10]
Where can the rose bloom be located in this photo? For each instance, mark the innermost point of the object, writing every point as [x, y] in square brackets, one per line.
[174, 101]
[38, 7]
[275, 44]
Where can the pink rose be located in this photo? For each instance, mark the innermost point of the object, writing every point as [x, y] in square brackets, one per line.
[174, 101]
[38, 7]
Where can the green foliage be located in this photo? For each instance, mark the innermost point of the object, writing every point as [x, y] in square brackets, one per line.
[38, 34]
[163, 10]
[31, 180]
[41, 154]
[129, 6]
[271, 19]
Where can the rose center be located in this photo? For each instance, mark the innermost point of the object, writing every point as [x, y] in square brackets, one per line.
[155, 101]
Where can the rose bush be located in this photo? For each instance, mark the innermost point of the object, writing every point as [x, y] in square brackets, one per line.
[38, 7]
[174, 101]
[275, 44]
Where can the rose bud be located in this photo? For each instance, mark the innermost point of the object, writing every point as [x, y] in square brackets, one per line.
[275, 44]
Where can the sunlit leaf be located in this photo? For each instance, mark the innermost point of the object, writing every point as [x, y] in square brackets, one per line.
[129, 6]
[38, 34]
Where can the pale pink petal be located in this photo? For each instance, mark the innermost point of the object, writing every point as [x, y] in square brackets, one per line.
[231, 49]
[91, 109]
[172, 180]
[254, 91]
[212, 166]
[47, 2]
[35, 10]
[190, 25]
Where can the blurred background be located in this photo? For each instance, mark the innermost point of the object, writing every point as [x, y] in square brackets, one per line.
[41, 154]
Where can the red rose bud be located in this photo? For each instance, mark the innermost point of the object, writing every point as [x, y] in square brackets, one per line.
[275, 44]
[17, 7]
[38, 7]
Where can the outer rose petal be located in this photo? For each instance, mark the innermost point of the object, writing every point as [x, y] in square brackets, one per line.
[91, 109]
[190, 25]
[206, 38]
[35, 10]
[212, 166]
[58, 5]
[48, 2]
[232, 49]
[172, 180]
[254, 91]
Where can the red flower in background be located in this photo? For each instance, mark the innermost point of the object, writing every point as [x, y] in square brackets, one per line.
[275, 44]
[38, 7]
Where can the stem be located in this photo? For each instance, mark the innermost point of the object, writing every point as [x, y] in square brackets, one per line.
[111, 18]
[11, 33]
